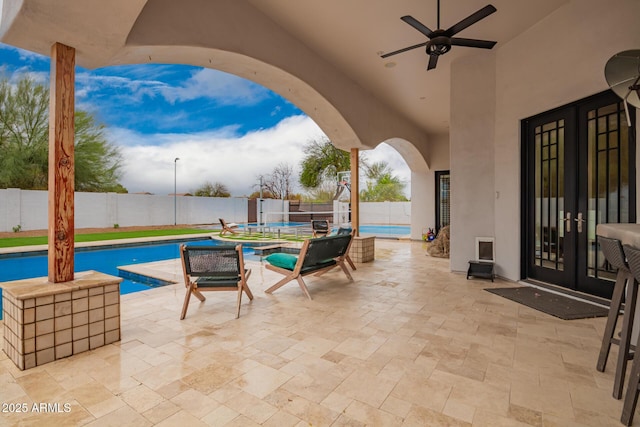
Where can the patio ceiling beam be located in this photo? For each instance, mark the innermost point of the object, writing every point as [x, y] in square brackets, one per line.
[61, 163]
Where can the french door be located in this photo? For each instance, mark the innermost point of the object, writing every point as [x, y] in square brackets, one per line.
[578, 171]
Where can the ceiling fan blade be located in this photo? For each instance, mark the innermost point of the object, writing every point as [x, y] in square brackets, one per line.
[482, 44]
[470, 20]
[417, 25]
[395, 52]
[433, 61]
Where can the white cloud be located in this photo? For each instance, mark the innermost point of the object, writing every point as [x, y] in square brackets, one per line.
[28, 56]
[225, 88]
[120, 88]
[212, 156]
[222, 156]
[131, 88]
[39, 77]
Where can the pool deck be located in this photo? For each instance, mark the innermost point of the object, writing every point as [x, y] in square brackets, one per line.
[407, 343]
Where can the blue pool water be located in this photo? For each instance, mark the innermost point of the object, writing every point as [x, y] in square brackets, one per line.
[385, 230]
[365, 230]
[104, 259]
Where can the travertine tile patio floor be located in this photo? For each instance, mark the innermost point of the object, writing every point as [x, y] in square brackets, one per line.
[406, 344]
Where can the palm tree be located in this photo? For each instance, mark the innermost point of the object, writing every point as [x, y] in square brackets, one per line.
[382, 185]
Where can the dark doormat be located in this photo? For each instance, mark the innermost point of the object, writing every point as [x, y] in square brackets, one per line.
[550, 303]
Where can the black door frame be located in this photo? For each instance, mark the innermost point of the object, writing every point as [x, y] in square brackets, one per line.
[591, 285]
[564, 277]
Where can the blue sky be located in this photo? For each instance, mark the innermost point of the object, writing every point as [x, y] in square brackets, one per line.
[222, 127]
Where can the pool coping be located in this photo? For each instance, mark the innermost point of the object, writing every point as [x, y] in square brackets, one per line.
[113, 242]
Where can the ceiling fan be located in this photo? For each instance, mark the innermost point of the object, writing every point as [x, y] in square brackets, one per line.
[440, 41]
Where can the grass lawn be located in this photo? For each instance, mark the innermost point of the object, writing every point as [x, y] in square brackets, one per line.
[10, 242]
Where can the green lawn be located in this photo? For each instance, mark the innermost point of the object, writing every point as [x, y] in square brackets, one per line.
[42, 240]
[11, 242]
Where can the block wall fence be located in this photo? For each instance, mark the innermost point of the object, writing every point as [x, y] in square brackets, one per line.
[28, 209]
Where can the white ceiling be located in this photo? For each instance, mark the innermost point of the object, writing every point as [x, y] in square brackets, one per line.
[350, 34]
[353, 33]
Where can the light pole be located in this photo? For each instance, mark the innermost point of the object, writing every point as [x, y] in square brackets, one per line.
[260, 219]
[175, 191]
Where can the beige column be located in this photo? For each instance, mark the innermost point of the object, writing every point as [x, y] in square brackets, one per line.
[355, 191]
[61, 163]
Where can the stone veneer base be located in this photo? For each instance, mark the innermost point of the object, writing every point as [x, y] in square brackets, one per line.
[46, 321]
[362, 249]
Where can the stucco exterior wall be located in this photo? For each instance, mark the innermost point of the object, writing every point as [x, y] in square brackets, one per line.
[473, 100]
[558, 61]
[423, 186]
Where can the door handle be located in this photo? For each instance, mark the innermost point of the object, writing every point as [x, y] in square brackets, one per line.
[567, 222]
[579, 220]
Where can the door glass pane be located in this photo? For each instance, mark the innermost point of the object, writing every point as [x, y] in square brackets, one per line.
[549, 195]
[538, 199]
[608, 179]
[443, 199]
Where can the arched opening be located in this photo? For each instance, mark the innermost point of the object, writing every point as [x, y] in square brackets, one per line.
[134, 101]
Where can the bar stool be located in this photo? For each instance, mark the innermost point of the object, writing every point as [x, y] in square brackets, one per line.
[631, 398]
[613, 252]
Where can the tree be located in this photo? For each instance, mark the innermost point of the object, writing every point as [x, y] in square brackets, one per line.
[23, 135]
[325, 191]
[265, 195]
[382, 185]
[279, 183]
[97, 163]
[217, 189]
[321, 163]
[24, 143]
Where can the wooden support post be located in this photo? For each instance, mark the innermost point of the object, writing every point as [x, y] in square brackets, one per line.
[355, 191]
[61, 163]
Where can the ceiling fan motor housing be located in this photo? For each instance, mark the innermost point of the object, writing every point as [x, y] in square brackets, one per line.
[439, 45]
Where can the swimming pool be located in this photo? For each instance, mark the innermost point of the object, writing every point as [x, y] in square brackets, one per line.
[379, 230]
[104, 259]
[385, 230]
[107, 259]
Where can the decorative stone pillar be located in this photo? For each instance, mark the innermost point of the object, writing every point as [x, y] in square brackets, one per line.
[363, 249]
[45, 321]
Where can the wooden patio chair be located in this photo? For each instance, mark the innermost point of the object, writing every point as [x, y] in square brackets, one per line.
[228, 227]
[316, 257]
[213, 268]
[320, 227]
[342, 231]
